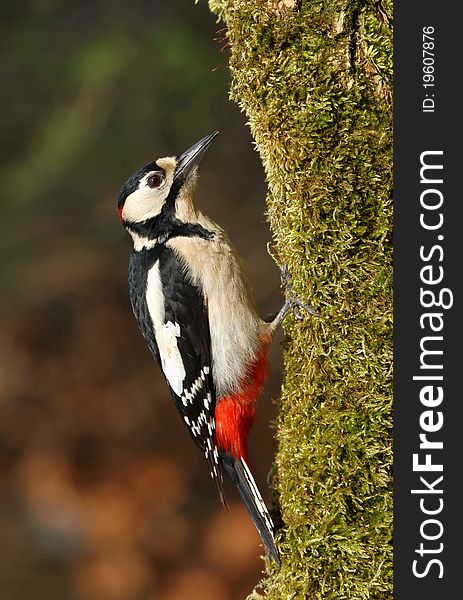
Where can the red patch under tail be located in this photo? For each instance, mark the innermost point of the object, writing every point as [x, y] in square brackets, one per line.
[234, 415]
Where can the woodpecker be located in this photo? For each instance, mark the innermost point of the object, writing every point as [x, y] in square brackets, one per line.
[195, 308]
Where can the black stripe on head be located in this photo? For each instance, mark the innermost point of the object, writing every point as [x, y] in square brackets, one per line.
[133, 181]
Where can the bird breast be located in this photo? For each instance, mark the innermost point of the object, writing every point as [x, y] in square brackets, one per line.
[215, 267]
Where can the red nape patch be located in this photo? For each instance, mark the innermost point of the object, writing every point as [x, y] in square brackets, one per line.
[119, 210]
[234, 415]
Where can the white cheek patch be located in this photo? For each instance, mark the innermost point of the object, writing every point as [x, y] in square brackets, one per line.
[166, 333]
[145, 202]
[171, 359]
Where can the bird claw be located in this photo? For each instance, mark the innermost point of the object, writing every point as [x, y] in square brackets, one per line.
[295, 303]
[296, 313]
[285, 277]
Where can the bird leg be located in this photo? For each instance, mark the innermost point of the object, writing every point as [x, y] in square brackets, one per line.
[292, 302]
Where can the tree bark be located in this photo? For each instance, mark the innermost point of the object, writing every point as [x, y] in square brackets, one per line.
[314, 78]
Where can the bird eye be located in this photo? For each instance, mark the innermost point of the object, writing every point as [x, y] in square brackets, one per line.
[155, 180]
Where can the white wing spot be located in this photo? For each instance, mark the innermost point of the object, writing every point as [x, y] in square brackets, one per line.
[171, 359]
[166, 333]
[196, 386]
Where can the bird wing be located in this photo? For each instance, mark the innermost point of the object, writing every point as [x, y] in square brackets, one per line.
[184, 347]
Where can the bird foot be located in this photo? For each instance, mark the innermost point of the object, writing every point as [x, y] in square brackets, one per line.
[292, 299]
[292, 302]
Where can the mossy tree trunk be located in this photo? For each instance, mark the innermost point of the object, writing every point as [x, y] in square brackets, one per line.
[314, 79]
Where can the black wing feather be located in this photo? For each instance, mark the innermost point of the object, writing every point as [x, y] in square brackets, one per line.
[185, 306]
[139, 266]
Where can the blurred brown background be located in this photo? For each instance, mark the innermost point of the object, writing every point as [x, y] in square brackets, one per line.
[102, 494]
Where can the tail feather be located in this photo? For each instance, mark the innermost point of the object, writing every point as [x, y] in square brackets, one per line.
[239, 473]
[216, 475]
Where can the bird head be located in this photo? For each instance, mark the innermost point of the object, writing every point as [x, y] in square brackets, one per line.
[161, 193]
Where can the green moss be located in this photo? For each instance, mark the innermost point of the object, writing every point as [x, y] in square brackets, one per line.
[314, 80]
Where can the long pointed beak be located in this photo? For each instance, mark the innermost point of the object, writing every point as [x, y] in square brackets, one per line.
[192, 157]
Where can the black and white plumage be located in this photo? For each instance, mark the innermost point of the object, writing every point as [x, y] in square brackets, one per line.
[195, 308]
[170, 313]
